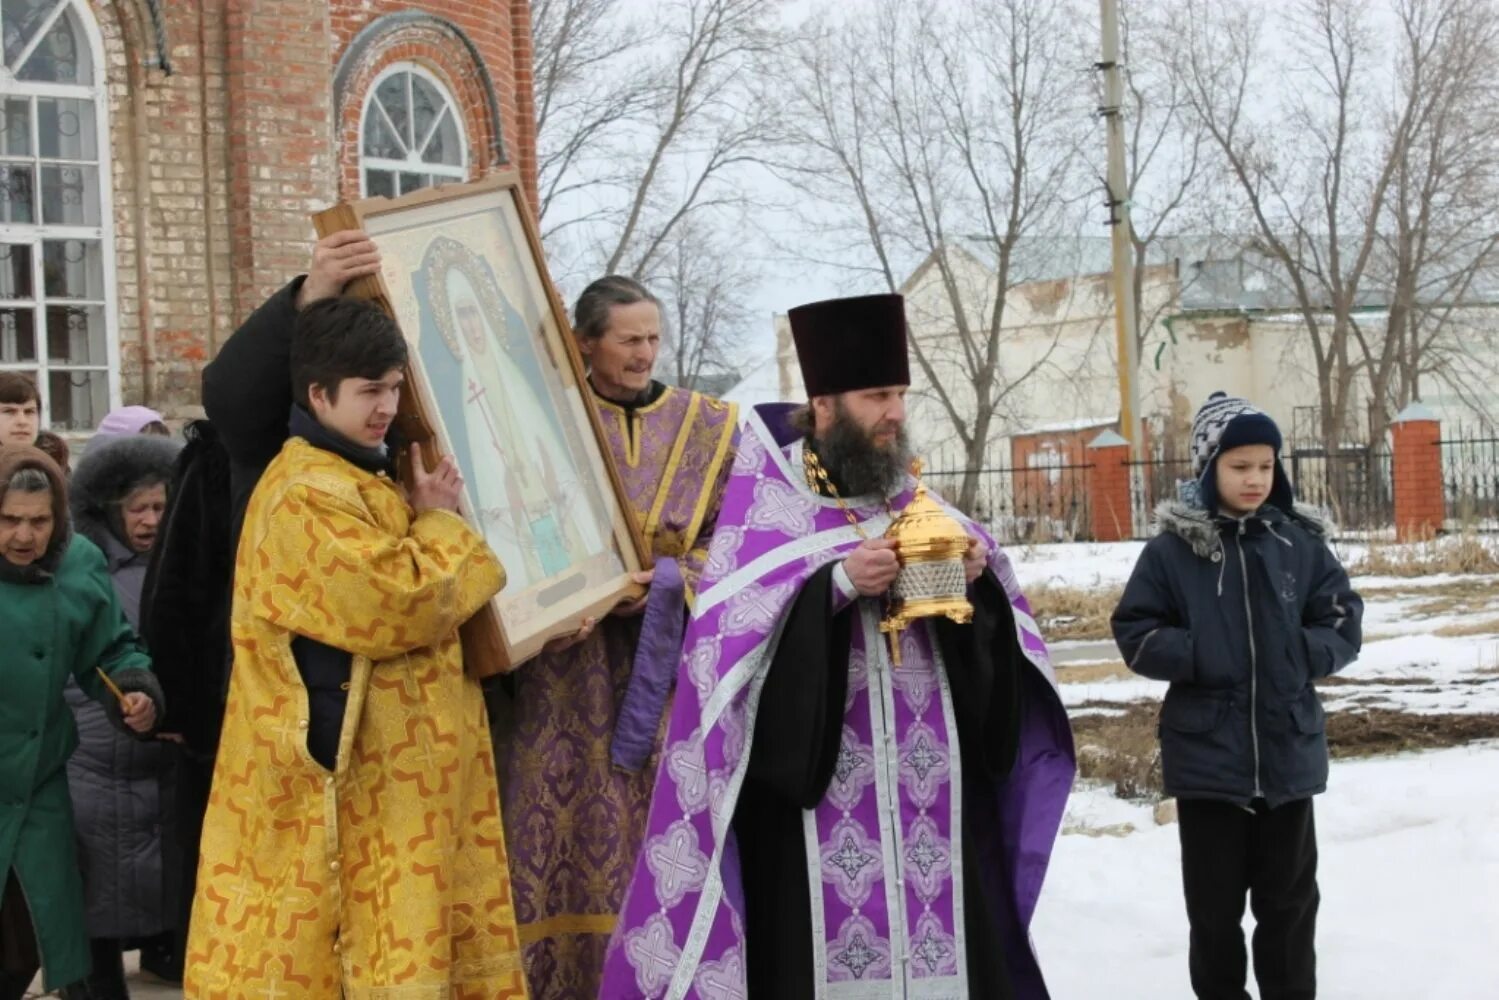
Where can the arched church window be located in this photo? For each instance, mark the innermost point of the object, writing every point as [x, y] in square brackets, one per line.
[57, 321]
[411, 135]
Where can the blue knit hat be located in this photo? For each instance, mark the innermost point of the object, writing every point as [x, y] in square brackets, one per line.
[1226, 422]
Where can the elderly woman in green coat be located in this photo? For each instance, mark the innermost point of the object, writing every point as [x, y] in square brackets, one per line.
[59, 617]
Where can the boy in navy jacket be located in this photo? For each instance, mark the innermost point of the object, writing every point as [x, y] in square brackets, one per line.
[1241, 605]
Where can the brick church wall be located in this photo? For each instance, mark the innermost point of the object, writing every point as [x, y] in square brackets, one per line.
[227, 136]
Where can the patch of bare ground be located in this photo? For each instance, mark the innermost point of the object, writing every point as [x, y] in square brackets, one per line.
[1377, 731]
[1460, 630]
[1073, 612]
[1437, 598]
[1088, 673]
[1468, 552]
[1120, 747]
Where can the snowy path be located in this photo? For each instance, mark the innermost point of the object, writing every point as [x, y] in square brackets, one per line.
[1409, 877]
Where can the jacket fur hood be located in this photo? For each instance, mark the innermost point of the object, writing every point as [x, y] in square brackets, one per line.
[1199, 529]
[110, 472]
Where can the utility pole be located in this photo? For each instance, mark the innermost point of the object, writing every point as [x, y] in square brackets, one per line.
[1128, 351]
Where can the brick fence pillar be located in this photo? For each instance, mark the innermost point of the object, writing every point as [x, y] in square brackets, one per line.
[1420, 503]
[1113, 520]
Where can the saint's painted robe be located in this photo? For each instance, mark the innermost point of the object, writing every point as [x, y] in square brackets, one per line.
[573, 815]
[825, 824]
[385, 878]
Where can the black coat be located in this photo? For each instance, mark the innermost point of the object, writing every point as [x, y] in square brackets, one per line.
[247, 394]
[185, 600]
[186, 603]
[1241, 616]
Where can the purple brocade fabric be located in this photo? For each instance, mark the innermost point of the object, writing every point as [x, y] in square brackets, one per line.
[884, 846]
[655, 669]
[574, 821]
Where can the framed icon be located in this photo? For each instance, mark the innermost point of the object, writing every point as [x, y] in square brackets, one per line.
[497, 382]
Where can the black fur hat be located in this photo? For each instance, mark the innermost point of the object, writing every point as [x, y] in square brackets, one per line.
[110, 471]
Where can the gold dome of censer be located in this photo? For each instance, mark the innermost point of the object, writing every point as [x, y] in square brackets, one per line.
[932, 582]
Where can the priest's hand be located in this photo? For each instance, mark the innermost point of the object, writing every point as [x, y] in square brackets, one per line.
[563, 643]
[975, 559]
[628, 608]
[873, 566]
[435, 490]
[139, 711]
[337, 259]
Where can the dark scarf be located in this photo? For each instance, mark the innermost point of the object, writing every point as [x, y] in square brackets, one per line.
[652, 393]
[39, 571]
[631, 406]
[305, 426]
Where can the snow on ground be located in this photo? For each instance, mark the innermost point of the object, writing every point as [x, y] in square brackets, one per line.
[1463, 675]
[1075, 564]
[1409, 879]
[1404, 665]
[1100, 564]
[1416, 583]
[1412, 673]
[1410, 857]
[1114, 690]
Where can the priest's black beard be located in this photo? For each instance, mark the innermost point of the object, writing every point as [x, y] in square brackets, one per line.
[856, 464]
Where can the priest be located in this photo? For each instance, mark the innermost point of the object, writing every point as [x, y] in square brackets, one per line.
[829, 820]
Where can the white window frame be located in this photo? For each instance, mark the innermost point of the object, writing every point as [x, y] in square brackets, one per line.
[35, 233]
[413, 164]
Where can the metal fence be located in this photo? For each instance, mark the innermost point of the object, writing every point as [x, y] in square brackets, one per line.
[1355, 484]
[1470, 479]
[1043, 503]
[1150, 482]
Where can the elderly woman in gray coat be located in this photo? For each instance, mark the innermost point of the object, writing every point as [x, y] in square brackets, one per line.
[120, 785]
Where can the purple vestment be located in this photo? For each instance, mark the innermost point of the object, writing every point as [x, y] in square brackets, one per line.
[573, 820]
[884, 846]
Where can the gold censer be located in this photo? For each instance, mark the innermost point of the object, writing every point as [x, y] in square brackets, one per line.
[932, 582]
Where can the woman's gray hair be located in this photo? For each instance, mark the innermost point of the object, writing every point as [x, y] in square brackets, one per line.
[29, 481]
[591, 312]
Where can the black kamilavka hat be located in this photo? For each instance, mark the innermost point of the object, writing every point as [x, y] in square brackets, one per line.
[849, 344]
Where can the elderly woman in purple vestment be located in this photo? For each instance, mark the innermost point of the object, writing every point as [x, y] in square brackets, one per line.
[830, 819]
[578, 740]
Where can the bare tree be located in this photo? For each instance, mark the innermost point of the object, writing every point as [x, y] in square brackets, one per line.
[708, 116]
[705, 285]
[1312, 175]
[945, 137]
[588, 86]
[1442, 225]
[1165, 144]
[649, 117]
[1359, 193]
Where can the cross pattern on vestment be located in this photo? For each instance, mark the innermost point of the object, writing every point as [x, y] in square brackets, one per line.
[723, 985]
[238, 893]
[425, 753]
[689, 764]
[924, 854]
[272, 989]
[932, 950]
[656, 955]
[287, 731]
[923, 758]
[850, 859]
[675, 862]
[858, 956]
[848, 763]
